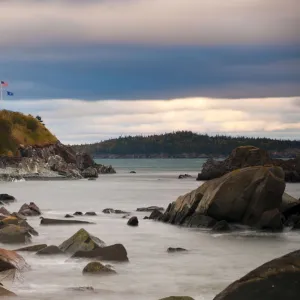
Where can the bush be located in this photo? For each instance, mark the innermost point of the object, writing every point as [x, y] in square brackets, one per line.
[32, 124]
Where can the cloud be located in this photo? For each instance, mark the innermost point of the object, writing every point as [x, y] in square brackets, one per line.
[77, 121]
[193, 22]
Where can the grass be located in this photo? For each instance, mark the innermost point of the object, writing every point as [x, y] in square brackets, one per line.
[18, 129]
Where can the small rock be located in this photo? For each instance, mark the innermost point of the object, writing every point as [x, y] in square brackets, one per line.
[90, 213]
[156, 214]
[132, 172]
[69, 216]
[133, 221]
[221, 226]
[146, 218]
[33, 248]
[50, 250]
[82, 289]
[78, 213]
[182, 176]
[172, 250]
[7, 198]
[96, 268]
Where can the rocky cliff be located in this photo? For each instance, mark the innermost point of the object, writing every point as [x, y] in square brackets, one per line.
[247, 156]
[29, 150]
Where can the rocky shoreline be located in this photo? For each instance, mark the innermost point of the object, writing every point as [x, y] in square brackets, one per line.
[52, 162]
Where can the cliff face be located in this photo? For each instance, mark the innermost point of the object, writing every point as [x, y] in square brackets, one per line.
[35, 153]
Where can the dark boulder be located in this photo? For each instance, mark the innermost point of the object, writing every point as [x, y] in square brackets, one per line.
[47, 221]
[150, 208]
[50, 250]
[133, 221]
[30, 210]
[132, 172]
[221, 226]
[78, 213]
[116, 252]
[96, 268]
[173, 250]
[155, 215]
[81, 240]
[275, 280]
[69, 216]
[183, 176]
[90, 172]
[7, 198]
[33, 248]
[90, 213]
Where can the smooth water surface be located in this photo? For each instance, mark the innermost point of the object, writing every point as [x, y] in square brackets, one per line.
[212, 262]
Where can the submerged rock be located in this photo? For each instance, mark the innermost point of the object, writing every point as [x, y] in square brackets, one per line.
[78, 213]
[14, 234]
[247, 196]
[90, 213]
[182, 176]
[115, 252]
[6, 293]
[47, 221]
[96, 268]
[276, 279]
[150, 208]
[178, 249]
[81, 240]
[221, 226]
[69, 216]
[7, 198]
[50, 250]
[33, 248]
[133, 221]
[113, 211]
[178, 298]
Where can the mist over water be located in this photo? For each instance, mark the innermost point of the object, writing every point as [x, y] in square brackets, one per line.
[212, 262]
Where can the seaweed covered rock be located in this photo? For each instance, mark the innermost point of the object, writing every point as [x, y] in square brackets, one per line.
[96, 268]
[81, 241]
[275, 280]
[249, 196]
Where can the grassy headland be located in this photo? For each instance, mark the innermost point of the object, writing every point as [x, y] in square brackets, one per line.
[18, 129]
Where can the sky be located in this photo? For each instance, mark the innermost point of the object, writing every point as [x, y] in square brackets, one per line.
[99, 69]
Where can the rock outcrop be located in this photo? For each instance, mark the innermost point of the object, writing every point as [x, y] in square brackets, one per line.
[276, 279]
[81, 241]
[246, 156]
[250, 196]
[54, 160]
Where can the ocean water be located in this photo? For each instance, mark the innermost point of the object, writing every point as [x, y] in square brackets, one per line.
[212, 262]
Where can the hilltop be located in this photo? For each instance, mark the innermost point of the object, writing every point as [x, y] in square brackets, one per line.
[17, 129]
[184, 144]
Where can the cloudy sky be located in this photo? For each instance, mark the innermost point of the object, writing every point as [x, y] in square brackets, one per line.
[99, 69]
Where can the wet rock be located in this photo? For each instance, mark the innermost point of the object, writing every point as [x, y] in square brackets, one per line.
[50, 250]
[96, 268]
[69, 216]
[182, 176]
[200, 221]
[78, 213]
[222, 226]
[113, 211]
[90, 172]
[14, 234]
[5, 198]
[6, 293]
[150, 208]
[276, 279]
[177, 298]
[81, 240]
[11, 264]
[10, 220]
[133, 221]
[115, 252]
[30, 210]
[33, 248]
[146, 218]
[271, 219]
[47, 221]
[242, 196]
[155, 215]
[172, 250]
[31, 230]
[4, 211]
[90, 213]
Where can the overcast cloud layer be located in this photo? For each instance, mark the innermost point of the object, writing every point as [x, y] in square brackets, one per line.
[80, 121]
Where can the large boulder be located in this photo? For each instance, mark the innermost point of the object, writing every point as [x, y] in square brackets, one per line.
[246, 196]
[81, 240]
[133, 221]
[30, 210]
[96, 268]
[11, 263]
[14, 234]
[275, 280]
[115, 252]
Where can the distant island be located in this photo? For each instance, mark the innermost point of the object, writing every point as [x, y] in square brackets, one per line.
[185, 144]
